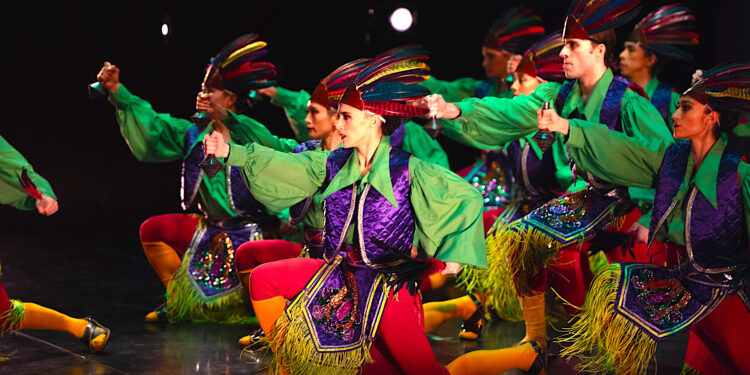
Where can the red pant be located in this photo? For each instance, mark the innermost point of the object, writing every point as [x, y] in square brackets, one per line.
[176, 230]
[254, 253]
[400, 346]
[718, 343]
[5, 305]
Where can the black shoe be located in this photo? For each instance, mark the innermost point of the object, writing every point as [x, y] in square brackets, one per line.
[94, 331]
[540, 362]
[476, 322]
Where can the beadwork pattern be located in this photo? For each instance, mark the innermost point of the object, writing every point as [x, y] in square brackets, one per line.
[493, 184]
[662, 300]
[564, 212]
[335, 309]
[213, 270]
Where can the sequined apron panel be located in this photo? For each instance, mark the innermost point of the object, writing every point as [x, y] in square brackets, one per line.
[343, 303]
[493, 178]
[572, 216]
[211, 256]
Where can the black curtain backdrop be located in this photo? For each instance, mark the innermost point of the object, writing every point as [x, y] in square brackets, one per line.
[51, 52]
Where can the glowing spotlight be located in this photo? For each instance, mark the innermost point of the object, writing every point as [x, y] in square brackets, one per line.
[164, 29]
[401, 19]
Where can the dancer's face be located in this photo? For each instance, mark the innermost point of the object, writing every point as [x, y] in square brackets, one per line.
[692, 119]
[319, 120]
[581, 56]
[356, 127]
[495, 62]
[524, 84]
[634, 59]
[224, 98]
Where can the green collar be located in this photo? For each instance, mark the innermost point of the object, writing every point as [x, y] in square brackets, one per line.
[379, 176]
[651, 87]
[705, 178]
[591, 108]
[534, 146]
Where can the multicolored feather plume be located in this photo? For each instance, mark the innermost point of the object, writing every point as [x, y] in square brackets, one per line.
[727, 86]
[235, 67]
[600, 15]
[515, 30]
[543, 59]
[663, 29]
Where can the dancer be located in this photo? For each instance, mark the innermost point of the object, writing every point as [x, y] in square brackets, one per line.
[594, 94]
[359, 302]
[24, 189]
[542, 169]
[202, 285]
[700, 210]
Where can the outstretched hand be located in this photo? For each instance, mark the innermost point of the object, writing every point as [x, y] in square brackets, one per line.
[109, 77]
[46, 206]
[214, 143]
[438, 107]
[205, 102]
[548, 120]
[451, 268]
[270, 91]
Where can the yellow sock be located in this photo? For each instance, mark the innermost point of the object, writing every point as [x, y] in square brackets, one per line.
[535, 318]
[40, 317]
[437, 280]
[435, 313]
[163, 258]
[493, 361]
[268, 311]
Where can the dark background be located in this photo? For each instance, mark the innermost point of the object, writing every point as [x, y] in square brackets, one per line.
[51, 52]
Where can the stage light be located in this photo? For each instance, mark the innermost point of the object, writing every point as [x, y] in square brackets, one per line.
[164, 29]
[401, 19]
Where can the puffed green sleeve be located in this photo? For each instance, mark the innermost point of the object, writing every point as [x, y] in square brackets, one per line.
[151, 136]
[497, 121]
[453, 91]
[743, 171]
[12, 164]
[420, 144]
[245, 130]
[614, 156]
[448, 214]
[294, 104]
[279, 179]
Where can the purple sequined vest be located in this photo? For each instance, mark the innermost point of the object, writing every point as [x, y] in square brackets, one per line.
[384, 233]
[535, 178]
[609, 114]
[714, 238]
[243, 203]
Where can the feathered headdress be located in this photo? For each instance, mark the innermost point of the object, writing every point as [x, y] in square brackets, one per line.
[514, 30]
[234, 68]
[329, 91]
[543, 59]
[725, 87]
[387, 84]
[588, 17]
[661, 30]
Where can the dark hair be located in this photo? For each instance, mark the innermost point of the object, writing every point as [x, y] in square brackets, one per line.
[658, 65]
[728, 120]
[391, 124]
[609, 39]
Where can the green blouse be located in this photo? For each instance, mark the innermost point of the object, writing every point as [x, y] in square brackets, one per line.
[448, 211]
[12, 164]
[630, 162]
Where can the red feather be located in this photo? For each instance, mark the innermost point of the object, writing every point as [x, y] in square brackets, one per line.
[28, 185]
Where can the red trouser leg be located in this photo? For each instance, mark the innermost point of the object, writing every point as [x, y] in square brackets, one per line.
[489, 217]
[571, 275]
[254, 253]
[401, 346]
[718, 343]
[5, 305]
[285, 278]
[176, 230]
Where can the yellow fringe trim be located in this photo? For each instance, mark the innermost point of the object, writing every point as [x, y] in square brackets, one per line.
[687, 370]
[12, 318]
[186, 302]
[295, 353]
[603, 339]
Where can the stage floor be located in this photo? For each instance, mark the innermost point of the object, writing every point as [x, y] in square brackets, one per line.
[115, 285]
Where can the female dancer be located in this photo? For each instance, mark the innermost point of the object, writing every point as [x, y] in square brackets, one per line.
[701, 210]
[24, 189]
[202, 285]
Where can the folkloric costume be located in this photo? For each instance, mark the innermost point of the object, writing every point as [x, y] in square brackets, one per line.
[661, 32]
[344, 309]
[21, 188]
[203, 285]
[702, 215]
[534, 242]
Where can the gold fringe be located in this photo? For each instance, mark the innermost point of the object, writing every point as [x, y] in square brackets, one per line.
[603, 339]
[597, 262]
[295, 353]
[186, 302]
[687, 370]
[12, 318]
